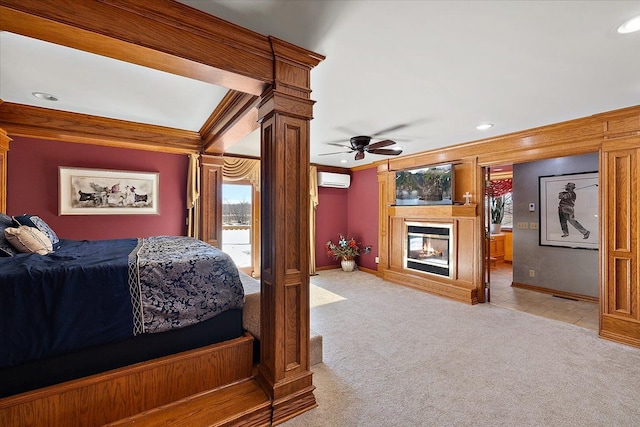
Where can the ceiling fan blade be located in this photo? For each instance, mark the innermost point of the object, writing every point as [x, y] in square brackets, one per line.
[386, 152]
[359, 155]
[391, 129]
[381, 144]
[339, 145]
[337, 152]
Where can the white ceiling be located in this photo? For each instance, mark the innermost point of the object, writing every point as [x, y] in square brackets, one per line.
[440, 67]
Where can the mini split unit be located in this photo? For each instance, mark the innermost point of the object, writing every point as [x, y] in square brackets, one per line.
[336, 180]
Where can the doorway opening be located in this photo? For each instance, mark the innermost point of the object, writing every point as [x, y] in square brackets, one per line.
[240, 225]
[527, 276]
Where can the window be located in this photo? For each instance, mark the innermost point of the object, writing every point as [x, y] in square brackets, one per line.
[507, 220]
[237, 214]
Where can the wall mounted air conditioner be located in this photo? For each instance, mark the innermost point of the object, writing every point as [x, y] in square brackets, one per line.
[336, 180]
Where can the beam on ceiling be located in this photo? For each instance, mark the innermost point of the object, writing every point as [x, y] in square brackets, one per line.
[235, 117]
[176, 38]
[37, 122]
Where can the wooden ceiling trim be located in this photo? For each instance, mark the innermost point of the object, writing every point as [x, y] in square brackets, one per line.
[578, 136]
[235, 117]
[37, 122]
[112, 29]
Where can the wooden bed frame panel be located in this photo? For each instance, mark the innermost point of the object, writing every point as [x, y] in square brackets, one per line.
[130, 390]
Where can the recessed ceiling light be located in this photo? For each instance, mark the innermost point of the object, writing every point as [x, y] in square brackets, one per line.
[45, 96]
[343, 161]
[497, 169]
[484, 126]
[631, 26]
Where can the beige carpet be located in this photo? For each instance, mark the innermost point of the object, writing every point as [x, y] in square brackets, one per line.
[251, 313]
[394, 356]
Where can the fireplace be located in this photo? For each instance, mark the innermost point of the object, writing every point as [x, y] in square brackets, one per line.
[429, 248]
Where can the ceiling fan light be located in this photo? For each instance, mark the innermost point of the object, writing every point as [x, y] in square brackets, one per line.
[45, 96]
[630, 26]
[484, 126]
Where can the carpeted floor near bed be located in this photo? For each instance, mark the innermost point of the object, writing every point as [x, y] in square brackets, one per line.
[394, 356]
[251, 313]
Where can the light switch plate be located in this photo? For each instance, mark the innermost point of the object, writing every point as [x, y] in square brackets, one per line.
[523, 225]
[533, 225]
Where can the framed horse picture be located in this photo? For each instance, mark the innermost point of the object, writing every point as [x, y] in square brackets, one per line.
[107, 192]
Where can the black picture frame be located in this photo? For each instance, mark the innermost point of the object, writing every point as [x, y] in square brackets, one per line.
[569, 216]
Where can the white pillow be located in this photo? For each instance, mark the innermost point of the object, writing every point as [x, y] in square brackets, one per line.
[28, 240]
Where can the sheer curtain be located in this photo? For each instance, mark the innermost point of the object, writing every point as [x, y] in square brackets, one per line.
[313, 204]
[193, 197]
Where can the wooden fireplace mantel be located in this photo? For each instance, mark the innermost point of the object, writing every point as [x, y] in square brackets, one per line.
[434, 211]
[465, 221]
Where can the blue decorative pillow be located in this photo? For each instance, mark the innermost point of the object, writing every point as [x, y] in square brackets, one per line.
[6, 249]
[37, 222]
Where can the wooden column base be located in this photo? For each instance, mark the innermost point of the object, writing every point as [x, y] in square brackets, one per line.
[294, 405]
[290, 397]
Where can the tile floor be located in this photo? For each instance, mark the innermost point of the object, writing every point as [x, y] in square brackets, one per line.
[581, 313]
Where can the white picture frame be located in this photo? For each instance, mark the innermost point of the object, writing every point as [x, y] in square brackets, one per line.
[107, 192]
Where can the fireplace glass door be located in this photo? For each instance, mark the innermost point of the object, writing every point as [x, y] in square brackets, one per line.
[429, 248]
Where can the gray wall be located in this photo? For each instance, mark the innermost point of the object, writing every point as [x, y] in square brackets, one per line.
[565, 269]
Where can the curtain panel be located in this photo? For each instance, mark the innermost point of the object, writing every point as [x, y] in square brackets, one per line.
[237, 169]
[193, 196]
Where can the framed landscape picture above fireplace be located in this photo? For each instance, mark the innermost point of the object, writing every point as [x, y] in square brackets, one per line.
[431, 185]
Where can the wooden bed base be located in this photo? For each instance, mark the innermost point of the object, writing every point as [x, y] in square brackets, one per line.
[103, 398]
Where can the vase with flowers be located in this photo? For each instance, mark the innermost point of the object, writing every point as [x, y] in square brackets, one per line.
[346, 250]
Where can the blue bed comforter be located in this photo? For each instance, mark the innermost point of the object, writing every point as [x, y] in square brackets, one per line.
[94, 292]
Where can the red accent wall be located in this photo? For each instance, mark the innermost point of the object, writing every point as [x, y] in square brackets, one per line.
[33, 188]
[363, 213]
[331, 220]
[352, 211]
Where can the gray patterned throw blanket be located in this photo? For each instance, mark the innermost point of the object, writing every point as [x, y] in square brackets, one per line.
[177, 281]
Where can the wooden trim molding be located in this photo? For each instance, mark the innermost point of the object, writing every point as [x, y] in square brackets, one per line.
[37, 122]
[570, 138]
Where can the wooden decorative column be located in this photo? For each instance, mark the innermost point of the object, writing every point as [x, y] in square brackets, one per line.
[620, 295]
[211, 200]
[284, 114]
[4, 150]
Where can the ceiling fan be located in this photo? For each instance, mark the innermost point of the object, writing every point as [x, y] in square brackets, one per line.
[361, 144]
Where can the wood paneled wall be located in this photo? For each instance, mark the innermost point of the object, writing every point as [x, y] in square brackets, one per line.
[620, 298]
[615, 134]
